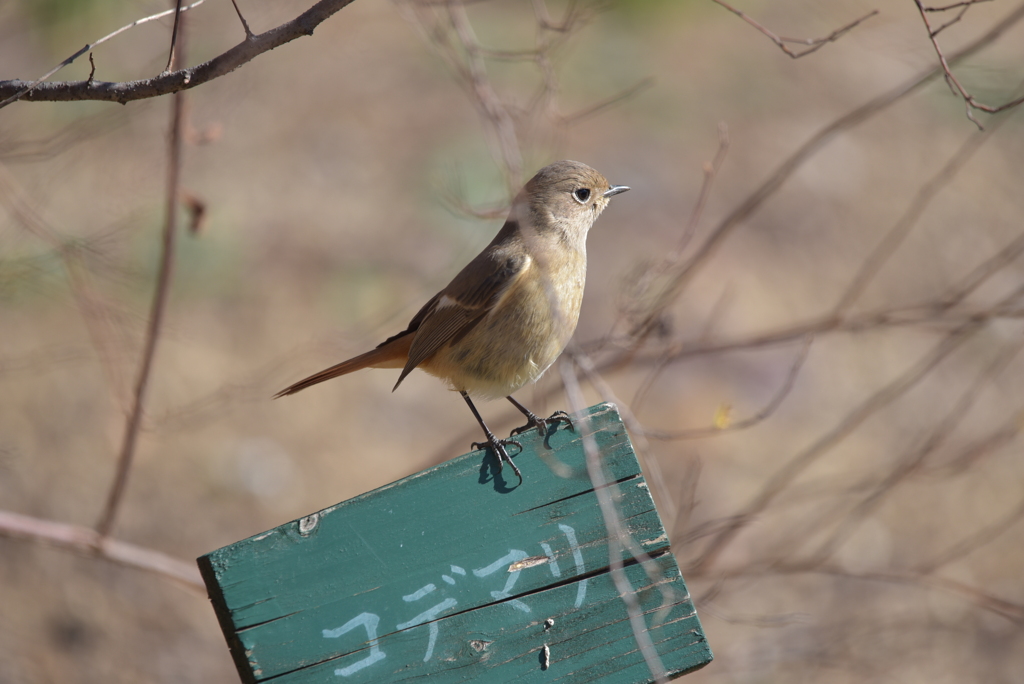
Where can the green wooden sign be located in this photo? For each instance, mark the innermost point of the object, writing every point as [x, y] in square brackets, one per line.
[457, 574]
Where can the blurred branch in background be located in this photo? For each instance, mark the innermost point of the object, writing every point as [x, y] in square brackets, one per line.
[514, 126]
[510, 130]
[161, 291]
[100, 316]
[74, 537]
[658, 287]
[644, 312]
[89, 543]
[911, 433]
[619, 538]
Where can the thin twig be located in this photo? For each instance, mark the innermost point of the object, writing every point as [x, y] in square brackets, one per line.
[21, 93]
[974, 541]
[931, 313]
[970, 102]
[788, 167]
[955, 5]
[935, 315]
[983, 272]
[711, 171]
[617, 98]
[962, 6]
[814, 43]
[510, 127]
[241, 18]
[763, 414]
[158, 307]
[98, 315]
[804, 459]
[870, 268]
[901, 229]
[174, 36]
[487, 99]
[646, 300]
[181, 79]
[984, 446]
[932, 316]
[1007, 609]
[902, 470]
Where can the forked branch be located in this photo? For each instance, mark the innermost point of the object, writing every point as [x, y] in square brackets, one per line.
[172, 81]
[810, 44]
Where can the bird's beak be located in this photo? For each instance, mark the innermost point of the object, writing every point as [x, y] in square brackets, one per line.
[615, 190]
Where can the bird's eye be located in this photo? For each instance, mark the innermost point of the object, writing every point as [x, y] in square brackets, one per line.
[581, 195]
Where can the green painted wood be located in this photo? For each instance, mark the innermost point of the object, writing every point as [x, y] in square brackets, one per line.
[453, 572]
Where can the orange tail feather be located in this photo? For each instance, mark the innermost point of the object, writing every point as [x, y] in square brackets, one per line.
[391, 354]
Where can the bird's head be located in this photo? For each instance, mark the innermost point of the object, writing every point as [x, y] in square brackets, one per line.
[566, 197]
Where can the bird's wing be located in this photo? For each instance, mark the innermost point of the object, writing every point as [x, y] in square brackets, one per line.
[454, 311]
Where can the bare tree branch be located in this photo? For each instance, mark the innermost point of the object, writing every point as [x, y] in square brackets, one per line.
[981, 448]
[970, 101]
[181, 79]
[510, 127]
[617, 98]
[763, 414]
[901, 229]
[814, 44]
[88, 49]
[248, 32]
[98, 314]
[975, 541]
[955, 5]
[159, 305]
[1007, 609]
[86, 541]
[795, 161]
[902, 469]
[962, 6]
[174, 38]
[802, 460]
[487, 98]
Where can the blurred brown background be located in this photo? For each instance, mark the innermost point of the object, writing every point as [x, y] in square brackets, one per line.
[880, 504]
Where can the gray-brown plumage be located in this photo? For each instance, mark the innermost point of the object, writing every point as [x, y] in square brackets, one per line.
[505, 318]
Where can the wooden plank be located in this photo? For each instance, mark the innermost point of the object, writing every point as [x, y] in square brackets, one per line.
[452, 573]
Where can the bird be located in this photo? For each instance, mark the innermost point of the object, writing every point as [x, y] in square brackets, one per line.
[508, 315]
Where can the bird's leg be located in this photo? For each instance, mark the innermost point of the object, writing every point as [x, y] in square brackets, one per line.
[497, 445]
[534, 421]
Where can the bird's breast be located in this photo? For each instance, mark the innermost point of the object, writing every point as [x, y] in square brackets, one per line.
[522, 335]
